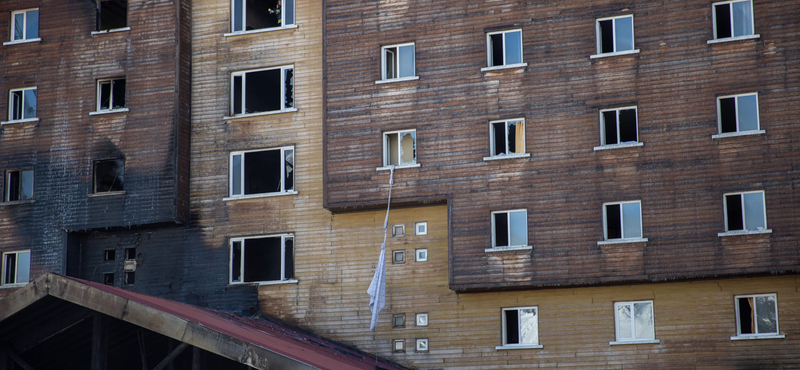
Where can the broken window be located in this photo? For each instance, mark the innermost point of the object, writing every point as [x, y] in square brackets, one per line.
[262, 172]
[623, 220]
[109, 175]
[249, 15]
[108, 278]
[22, 104]
[262, 259]
[266, 90]
[504, 48]
[733, 19]
[130, 277]
[19, 185]
[521, 326]
[25, 25]
[16, 267]
[398, 61]
[422, 344]
[109, 255]
[738, 113]
[615, 34]
[510, 228]
[634, 321]
[110, 94]
[400, 148]
[618, 126]
[507, 137]
[112, 14]
[745, 211]
[757, 314]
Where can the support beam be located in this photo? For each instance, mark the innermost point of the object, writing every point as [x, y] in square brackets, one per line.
[168, 360]
[140, 337]
[57, 324]
[18, 360]
[196, 359]
[99, 342]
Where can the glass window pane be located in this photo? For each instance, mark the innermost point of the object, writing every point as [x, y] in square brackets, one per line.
[742, 19]
[289, 170]
[519, 228]
[407, 61]
[32, 25]
[237, 15]
[643, 320]
[407, 150]
[631, 223]
[748, 112]
[23, 267]
[30, 104]
[26, 191]
[766, 316]
[389, 58]
[528, 326]
[19, 22]
[236, 175]
[288, 12]
[513, 47]
[624, 33]
[624, 321]
[754, 211]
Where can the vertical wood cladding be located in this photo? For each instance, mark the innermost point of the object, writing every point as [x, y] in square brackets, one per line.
[679, 173]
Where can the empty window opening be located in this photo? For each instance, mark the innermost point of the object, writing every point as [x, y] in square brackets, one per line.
[108, 278]
[262, 91]
[262, 172]
[504, 48]
[109, 175]
[22, 103]
[110, 94]
[25, 25]
[521, 326]
[400, 148]
[399, 257]
[399, 345]
[510, 228]
[623, 220]
[615, 34]
[398, 61]
[249, 15]
[634, 320]
[112, 14]
[507, 137]
[733, 19]
[619, 126]
[19, 185]
[399, 320]
[738, 113]
[109, 255]
[130, 277]
[16, 267]
[262, 259]
[130, 254]
[757, 314]
[745, 211]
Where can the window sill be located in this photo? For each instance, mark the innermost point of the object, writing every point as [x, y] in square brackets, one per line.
[740, 133]
[604, 55]
[248, 115]
[387, 168]
[758, 336]
[22, 41]
[123, 29]
[259, 283]
[638, 341]
[401, 79]
[108, 194]
[20, 121]
[260, 30]
[256, 196]
[618, 146]
[510, 66]
[745, 232]
[507, 156]
[622, 241]
[728, 39]
[12, 286]
[108, 111]
[511, 248]
[15, 202]
[518, 346]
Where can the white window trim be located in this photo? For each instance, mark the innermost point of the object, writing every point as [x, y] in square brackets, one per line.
[738, 132]
[758, 336]
[509, 156]
[740, 336]
[282, 150]
[503, 331]
[244, 88]
[109, 111]
[729, 39]
[113, 30]
[633, 328]
[421, 314]
[744, 232]
[418, 224]
[243, 253]
[11, 203]
[618, 146]
[401, 79]
[384, 153]
[765, 230]
[504, 65]
[417, 342]
[107, 194]
[397, 61]
[603, 123]
[494, 247]
[735, 134]
[257, 196]
[637, 341]
[506, 249]
[11, 22]
[244, 21]
[623, 239]
[38, 39]
[261, 30]
[98, 109]
[510, 66]
[417, 255]
[524, 154]
[614, 54]
[732, 38]
[10, 104]
[20, 121]
[3, 269]
[7, 181]
[599, 41]
[397, 167]
[249, 115]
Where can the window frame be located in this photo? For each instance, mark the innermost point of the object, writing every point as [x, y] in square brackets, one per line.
[12, 23]
[738, 132]
[22, 118]
[4, 268]
[504, 329]
[507, 155]
[490, 65]
[739, 336]
[94, 178]
[284, 280]
[622, 238]
[244, 30]
[730, 3]
[421, 228]
[98, 108]
[599, 40]
[243, 94]
[384, 71]
[386, 156]
[421, 255]
[744, 230]
[7, 185]
[99, 21]
[633, 339]
[619, 144]
[494, 246]
[283, 191]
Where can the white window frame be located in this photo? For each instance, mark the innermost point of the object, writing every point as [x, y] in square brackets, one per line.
[504, 326]
[739, 336]
[623, 238]
[421, 319]
[738, 132]
[599, 42]
[507, 155]
[421, 345]
[396, 57]
[765, 230]
[717, 39]
[241, 195]
[282, 94]
[283, 280]
[398, 345]
[12, 23]
[504, 64]
[494, 247]
[603, 139]
[7, 187]
[421, 228]
[244, 30]
[421, 255]
[22, 113]
[110, 109]
[16, 269]
[386, 155]
[633, 339]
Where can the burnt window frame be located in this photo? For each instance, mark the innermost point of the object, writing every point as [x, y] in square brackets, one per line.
[99, 29]
[490, 62]
[505, 330]
[7, 185]
[95, 174]
[738, 132]
[743, 213]
[756, 335]
[507, 153]
[21, 117]
[283, 21]
[25, 37]
[386, 149]
[285, 106]
[243, 240]
[730, 21]
[508, 231]
[603, 132]
[615, 51]
[397, 63]
[4, 267]
[242, 180]
[623, 238]
[99, 109]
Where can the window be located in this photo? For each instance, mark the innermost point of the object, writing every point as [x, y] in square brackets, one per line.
[756, 315]
[510, 228]
[266, 90]
[618, 126]
[398, 230]
[110, 94]
[521, 327]
[262, 172]
[421, 228]
[422, 344]
[634, 322]
[19, 185]
[422, 319]
[25, 25]
[109, 176]
[109, 255]
[108, 278]
[22, 104]
[130, 277]
[262, 259]
[399, 256]
[397, 62]
[250, 15]
[623, 220]
[738, 113]
[745, 211]
[421, 255]
[733, 19]
[16, 267]
[507, 138]
[615, 35]
[399, 320]
[504, 48]
[399, 345]
[400, 148]
[112, 14]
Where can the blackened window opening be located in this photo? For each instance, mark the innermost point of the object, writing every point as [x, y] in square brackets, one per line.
[262, 91]
[723, 18]
[613, 222]
[512, 327]
[262, 260]
[112, 94]
[627, 126]
[610, 123]
[288, 263]
[110, 255]
[13, 184]
[733, 205]
[497, 50]
[130, 277]
[501, 229]
[607, 36]
[108, 278]
[727, 114]
[236, 262]
[746, 316]
[110, 176]
[288, 89]
[112, 14]
[11, 269]
[499, 138]
[262, 172]
[130, 253]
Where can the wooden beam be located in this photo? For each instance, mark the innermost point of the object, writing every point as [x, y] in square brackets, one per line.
[197, 363]
[18, 360]
[168, 360]
[99, 342]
